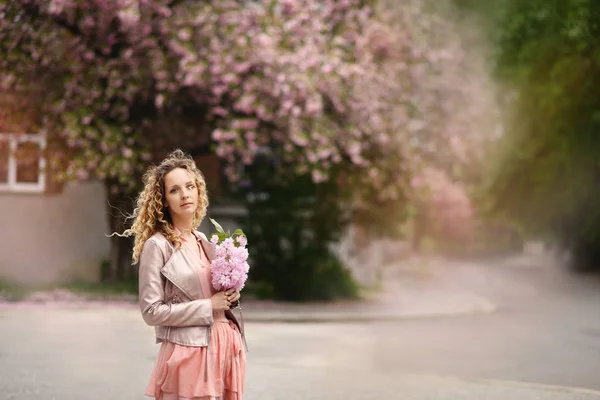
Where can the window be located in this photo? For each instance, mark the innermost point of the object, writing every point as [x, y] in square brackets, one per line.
[22, 164]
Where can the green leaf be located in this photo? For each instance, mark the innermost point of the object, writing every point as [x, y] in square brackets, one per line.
[238, 232]
[217, 226]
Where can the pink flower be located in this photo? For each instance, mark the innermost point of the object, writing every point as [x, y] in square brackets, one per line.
[82, 174]
[184, 34]
[220, 111]
[230, 266]
[318, 176]
[159, 100]
[127, 153]
[217, 134]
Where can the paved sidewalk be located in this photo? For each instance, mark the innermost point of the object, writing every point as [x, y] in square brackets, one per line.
[113, 352]
[410, 289]
[400, 301]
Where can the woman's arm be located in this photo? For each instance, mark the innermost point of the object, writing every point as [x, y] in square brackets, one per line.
[151, 291]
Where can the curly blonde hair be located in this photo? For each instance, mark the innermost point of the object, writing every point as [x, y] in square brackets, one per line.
[150, 214]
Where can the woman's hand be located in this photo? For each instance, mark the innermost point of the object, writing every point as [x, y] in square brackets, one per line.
[233, 296]
[222, 300]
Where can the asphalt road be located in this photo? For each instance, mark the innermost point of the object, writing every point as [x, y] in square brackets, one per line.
[543, 342]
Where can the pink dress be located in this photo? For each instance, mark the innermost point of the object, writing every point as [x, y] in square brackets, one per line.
[182, 373]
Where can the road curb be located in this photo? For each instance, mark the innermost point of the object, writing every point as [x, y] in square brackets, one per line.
[538, 386]
[252, 312]
[482, 306]
[485, 307]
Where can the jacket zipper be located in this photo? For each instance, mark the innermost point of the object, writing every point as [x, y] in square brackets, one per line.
[208, 334]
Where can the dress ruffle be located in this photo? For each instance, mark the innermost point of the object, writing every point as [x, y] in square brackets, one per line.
[182, 373]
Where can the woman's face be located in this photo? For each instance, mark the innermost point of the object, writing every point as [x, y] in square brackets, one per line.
[181, 193]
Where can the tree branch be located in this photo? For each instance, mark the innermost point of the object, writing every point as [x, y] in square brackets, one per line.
[34, 11]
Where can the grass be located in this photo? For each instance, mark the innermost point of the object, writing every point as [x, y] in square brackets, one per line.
[104, 290]
[13, 292]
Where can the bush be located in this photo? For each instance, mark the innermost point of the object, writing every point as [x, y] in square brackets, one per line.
[12, 292]
[291, 227]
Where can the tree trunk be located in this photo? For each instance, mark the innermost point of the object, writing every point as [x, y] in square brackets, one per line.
[119, 206]
[419, 231]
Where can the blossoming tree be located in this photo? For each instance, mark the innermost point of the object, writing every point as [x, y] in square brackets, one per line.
[328, 89]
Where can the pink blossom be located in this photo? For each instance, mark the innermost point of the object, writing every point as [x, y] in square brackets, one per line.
[184, 34]
[217, 134]
[318, 176]
[229, 268]
[242, 240]
[159, 100]
[82, 174]
[241, 68]
[250, 136]
[220, 111]
[280, 69]
[127, 152]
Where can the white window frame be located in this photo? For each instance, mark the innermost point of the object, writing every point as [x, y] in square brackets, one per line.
[12, 185]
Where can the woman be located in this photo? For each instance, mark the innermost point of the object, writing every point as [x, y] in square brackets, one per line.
[201, 356]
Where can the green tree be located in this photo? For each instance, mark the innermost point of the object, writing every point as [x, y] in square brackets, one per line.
[547, 169]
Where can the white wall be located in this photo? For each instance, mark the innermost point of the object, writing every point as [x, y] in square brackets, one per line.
[58, 238]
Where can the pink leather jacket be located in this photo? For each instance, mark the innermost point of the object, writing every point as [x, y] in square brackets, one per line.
[170, 294]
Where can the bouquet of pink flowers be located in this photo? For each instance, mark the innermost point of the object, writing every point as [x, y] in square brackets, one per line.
[230, 265]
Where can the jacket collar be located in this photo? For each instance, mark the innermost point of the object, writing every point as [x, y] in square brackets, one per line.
[180, 269]
[209, 247]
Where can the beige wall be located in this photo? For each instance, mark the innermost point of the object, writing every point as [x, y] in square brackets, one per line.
[58, 238]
